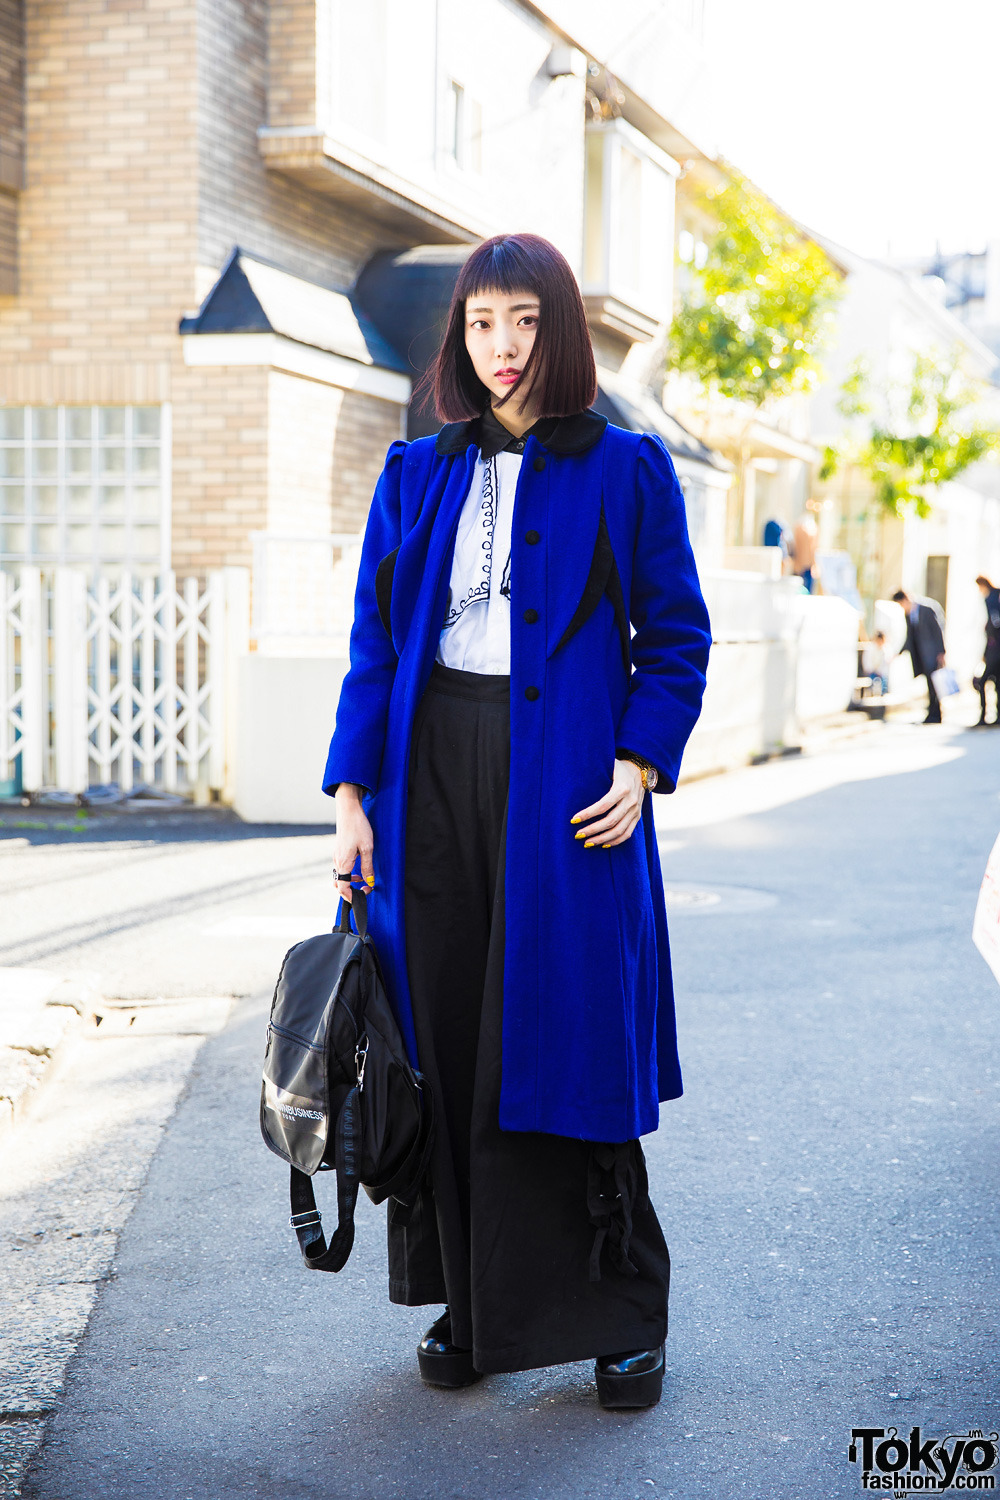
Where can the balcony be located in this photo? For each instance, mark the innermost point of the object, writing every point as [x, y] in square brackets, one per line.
[628, 232]
[330, 166]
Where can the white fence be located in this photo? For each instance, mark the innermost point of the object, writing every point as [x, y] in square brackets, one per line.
[23, 699]
[119, 680]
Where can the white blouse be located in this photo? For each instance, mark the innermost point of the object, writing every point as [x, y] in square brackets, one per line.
[475, 636]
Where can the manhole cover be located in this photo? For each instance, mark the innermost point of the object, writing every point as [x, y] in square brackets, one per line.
[726, 900]
[687, 900]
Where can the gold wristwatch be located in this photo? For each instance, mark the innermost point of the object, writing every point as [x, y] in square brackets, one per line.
[647, 770]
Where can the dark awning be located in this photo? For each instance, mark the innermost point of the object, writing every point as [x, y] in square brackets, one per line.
[405, 295]
[255, 296]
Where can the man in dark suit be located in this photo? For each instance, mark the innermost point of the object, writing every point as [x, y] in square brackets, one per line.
[925, 643]
[991, 655]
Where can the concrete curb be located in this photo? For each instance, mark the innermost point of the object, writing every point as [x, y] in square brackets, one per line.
[39, 1011]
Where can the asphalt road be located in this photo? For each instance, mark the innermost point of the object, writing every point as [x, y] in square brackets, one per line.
[828, 1187]
[159, 904]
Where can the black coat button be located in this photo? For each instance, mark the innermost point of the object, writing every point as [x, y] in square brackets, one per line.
[539, 464]
[531, 693]
[531, 537]
[531, 615]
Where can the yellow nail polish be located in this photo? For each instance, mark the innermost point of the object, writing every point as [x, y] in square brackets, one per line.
[589, 844]
[574, 820]
[371, 880]
[580, 835]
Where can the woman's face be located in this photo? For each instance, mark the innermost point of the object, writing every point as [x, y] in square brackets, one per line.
[499, 333]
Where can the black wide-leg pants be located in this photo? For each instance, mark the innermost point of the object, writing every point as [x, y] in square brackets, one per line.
[546, 1249]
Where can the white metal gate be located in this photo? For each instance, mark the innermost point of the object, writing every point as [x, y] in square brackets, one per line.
[120, 679]
[23, 708]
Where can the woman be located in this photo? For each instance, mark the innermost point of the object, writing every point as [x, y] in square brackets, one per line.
[991, 651]
[495, 738]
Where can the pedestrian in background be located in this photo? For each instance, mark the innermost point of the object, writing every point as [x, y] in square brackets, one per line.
[805, 541]
[776, 536]
[991, 651]
[925, 643]
[875, 662]
[496, 736]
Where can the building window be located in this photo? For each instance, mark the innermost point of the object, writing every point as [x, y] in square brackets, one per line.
[85, 485]
[937, 579]
[464, 128]
[456, 120]
[628, 217]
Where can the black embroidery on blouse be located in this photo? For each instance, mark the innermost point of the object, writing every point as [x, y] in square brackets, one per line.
[505, 579]
[480, 590]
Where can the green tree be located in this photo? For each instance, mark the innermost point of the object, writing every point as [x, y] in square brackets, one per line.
[761, 305]
[914, 435]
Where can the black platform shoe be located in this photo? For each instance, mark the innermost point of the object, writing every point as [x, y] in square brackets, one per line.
[633, 1379]
[442, 1362]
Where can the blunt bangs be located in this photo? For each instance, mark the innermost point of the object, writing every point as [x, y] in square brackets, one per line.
[560, 372]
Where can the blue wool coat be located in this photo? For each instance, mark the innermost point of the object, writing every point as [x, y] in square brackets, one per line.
[599, 542]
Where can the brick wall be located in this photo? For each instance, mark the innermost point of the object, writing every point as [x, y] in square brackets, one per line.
[220, 489]
[108, 212]
[11, 136]
[367, 426]
[294, 41]
[258, 449]
[8, 243]
[303, 418]
[326, 450]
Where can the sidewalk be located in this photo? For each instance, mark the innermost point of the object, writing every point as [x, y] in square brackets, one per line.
[39, 1010]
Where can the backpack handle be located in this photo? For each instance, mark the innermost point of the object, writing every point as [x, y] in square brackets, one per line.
[359, 905]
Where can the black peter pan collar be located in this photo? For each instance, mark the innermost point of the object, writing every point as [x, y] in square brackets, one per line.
[573, 434]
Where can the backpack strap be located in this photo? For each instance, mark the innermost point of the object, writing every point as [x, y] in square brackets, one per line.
[306, 1217]
[357, 908]
[407, 1181]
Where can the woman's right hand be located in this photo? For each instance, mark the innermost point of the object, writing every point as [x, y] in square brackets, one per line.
[353, 837]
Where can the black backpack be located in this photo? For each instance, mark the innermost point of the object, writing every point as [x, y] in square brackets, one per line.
[338, 1089]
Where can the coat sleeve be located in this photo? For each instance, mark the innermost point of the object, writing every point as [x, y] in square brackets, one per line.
[672, 631]
[363, 711]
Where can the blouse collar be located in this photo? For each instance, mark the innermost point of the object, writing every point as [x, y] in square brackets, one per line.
[572, 434]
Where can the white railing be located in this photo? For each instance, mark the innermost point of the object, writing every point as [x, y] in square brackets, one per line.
[303, 592]
[130, 683]
[23, 701]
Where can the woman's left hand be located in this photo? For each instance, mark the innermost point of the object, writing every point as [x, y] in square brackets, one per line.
[617, 813]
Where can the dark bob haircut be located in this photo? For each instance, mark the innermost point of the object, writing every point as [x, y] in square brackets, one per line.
[559, 374]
